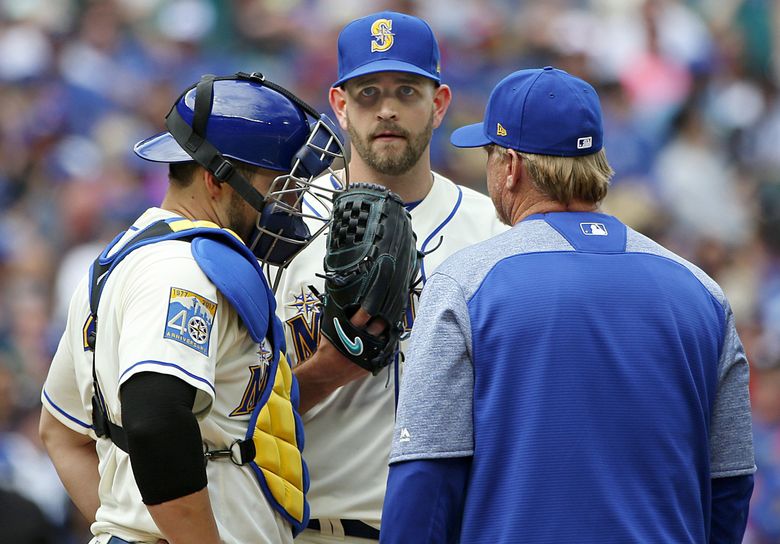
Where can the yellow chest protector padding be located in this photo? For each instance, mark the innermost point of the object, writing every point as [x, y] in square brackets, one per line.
[274, 440]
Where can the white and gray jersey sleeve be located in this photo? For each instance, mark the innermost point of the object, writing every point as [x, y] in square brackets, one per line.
[731, 433]
[434, 416]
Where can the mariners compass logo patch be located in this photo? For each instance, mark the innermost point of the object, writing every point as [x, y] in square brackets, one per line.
[189, 321]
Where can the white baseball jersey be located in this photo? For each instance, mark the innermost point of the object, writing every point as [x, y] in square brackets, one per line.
[348, 435]
[160, 313]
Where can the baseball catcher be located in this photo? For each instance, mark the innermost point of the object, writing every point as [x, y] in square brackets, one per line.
[371, 262]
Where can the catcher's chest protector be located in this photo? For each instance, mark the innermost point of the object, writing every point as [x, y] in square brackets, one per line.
[274, 438]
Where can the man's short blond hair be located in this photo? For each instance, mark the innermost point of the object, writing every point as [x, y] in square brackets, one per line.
[568, 178]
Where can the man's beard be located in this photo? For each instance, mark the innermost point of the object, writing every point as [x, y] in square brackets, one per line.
[237, 221]
[391, 163]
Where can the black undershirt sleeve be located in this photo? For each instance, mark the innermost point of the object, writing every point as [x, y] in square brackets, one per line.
[730, 506]
[163, 436]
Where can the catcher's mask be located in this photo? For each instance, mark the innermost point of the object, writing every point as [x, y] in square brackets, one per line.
[250, 119]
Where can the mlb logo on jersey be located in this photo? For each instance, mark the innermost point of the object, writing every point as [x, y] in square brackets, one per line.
[189, 320]
[593, 229]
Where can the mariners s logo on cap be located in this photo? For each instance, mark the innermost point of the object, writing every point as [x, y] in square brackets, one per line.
[399, 43]
[381, 30]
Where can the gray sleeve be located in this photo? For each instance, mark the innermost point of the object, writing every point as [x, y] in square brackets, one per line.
[731, 437]
[434, 418]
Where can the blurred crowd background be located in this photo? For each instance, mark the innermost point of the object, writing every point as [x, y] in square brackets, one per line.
[690, 92]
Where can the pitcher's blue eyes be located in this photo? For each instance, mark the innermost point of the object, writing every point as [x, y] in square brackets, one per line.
[368, 91]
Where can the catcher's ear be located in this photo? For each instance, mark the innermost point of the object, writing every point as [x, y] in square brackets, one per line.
[338, 103]
[213, 186]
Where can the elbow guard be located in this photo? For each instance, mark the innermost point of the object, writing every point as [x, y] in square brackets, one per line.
[163, 437]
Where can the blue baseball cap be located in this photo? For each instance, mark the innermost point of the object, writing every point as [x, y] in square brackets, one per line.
[388, 42]
[542, 111]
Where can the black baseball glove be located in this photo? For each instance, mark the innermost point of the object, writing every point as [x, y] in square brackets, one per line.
[371, 261]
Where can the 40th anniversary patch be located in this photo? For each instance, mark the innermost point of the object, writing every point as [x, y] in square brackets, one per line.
[189, 321]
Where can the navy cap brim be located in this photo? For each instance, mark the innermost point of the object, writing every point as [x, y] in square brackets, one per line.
[470, 136]
[386, 65]
[161, 148]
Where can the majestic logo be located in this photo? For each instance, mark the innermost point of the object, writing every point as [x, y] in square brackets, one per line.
[593, 229]
[585, 143]
[383, 37]
[189, 320]
[355, 347]
[500, 130]
[405, 435]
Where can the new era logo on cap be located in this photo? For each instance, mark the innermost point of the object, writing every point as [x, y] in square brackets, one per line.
[387, 42]
[500, 130]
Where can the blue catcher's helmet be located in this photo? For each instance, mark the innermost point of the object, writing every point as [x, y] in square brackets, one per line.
[248, 122]
[252, 120]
